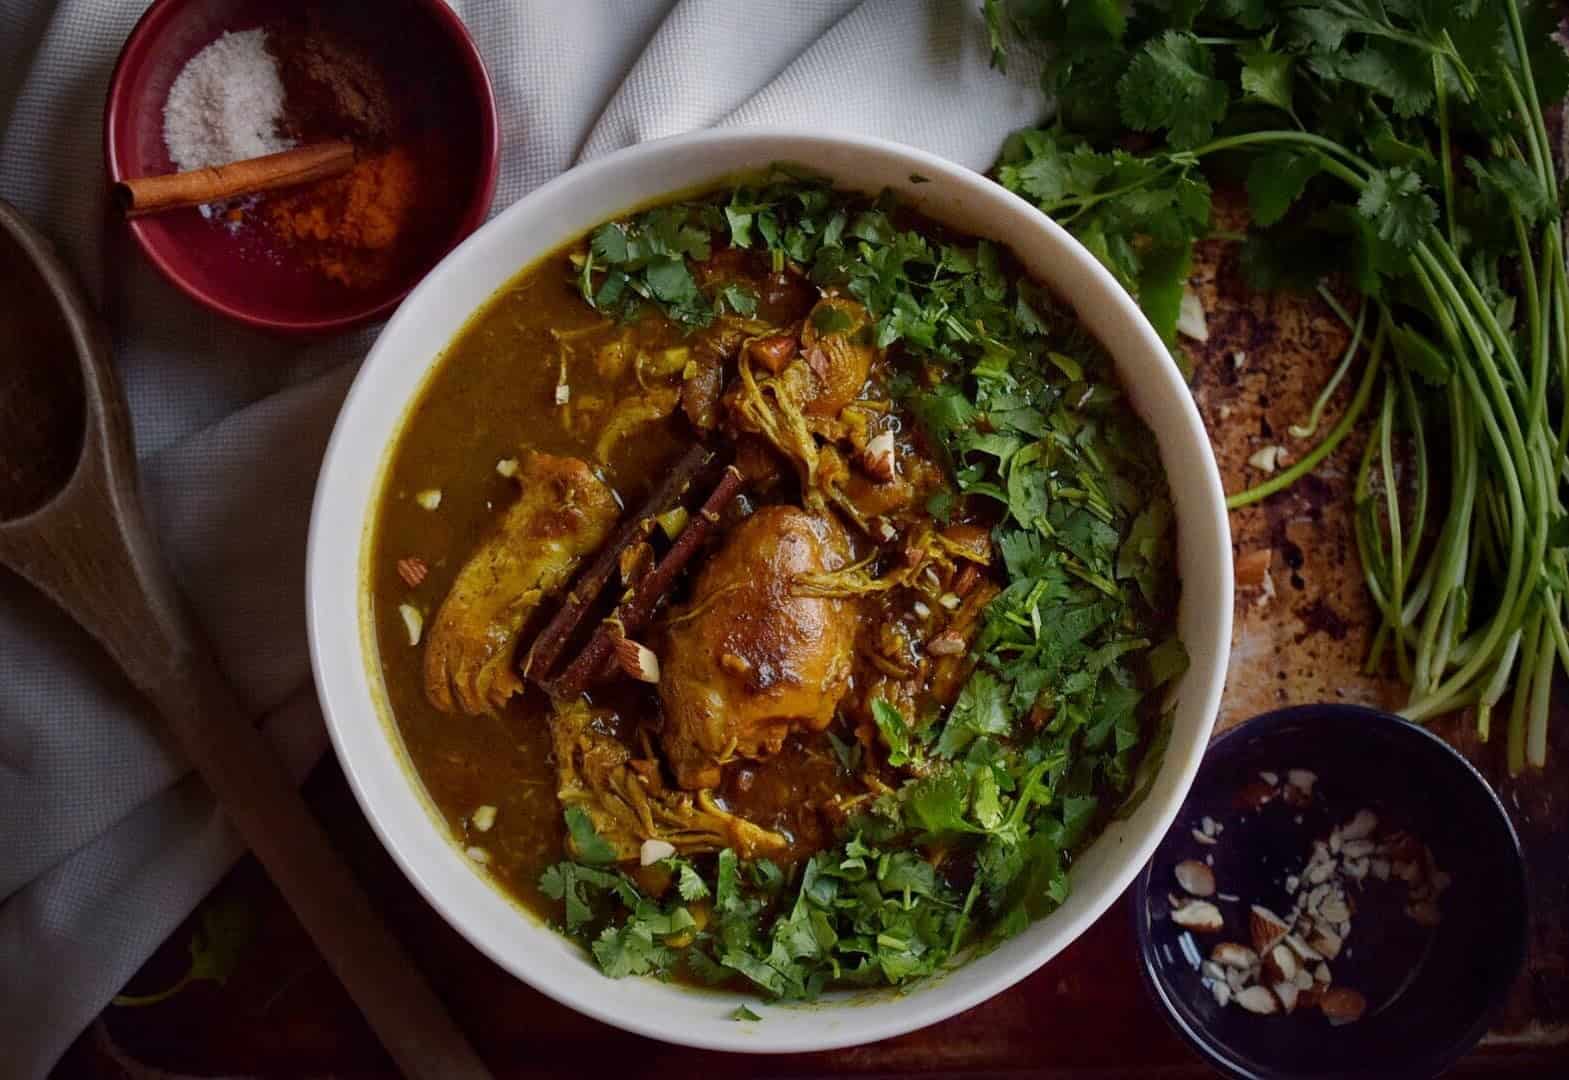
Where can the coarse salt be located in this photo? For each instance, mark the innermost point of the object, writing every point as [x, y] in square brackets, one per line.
[226, 103]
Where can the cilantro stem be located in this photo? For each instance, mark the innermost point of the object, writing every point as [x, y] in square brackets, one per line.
[1397, 559]
[1309, 461]
[1467, 266]
[1529, 662]
[1341, 155]
[1445, 158]
[1081, 203]
[1531, 112]
[139, 1000]
[963, 922]
[1494, 690]
[1541, 691]
[1306, 431]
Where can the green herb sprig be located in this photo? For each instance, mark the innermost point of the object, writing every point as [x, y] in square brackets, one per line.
[1398, 147]
[1060, 726]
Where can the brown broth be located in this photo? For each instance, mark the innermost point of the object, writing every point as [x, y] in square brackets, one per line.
[492, 397]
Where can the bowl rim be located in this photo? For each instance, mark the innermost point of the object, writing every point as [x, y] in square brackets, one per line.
[339, 691]
[142, 40]
[1455, 1048]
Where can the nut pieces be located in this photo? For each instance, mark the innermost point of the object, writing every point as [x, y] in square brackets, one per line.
[878, 457]
[1195, 878]
[1200, 915]
[1287, 967]
[637, 660]
[412, 570]
[1342, 1005]
[1266, 927]
[1258, 999]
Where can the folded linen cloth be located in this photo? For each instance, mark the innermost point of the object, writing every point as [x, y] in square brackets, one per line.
[108, 843]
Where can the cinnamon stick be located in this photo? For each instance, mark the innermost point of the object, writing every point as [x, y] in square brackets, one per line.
[633, 614]
[153, 194]
[548, 645]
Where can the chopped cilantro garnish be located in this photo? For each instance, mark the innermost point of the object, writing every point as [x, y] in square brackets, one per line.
[1056, 727]
[590, 847]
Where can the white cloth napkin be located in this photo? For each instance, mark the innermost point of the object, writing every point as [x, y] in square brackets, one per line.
[105, 842]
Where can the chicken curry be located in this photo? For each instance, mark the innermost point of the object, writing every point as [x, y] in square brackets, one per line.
[774, 589]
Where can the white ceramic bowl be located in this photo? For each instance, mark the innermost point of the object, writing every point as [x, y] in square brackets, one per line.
[343, 648]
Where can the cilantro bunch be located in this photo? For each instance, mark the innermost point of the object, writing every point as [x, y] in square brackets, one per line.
[1059, 727]
[1398, 149]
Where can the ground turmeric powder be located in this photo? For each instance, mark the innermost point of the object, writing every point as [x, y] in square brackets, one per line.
[349, 227]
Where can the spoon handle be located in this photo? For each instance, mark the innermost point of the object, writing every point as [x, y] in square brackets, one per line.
[261, 801]
[90, 550]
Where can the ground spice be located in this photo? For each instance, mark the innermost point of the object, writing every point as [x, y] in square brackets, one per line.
[331, 72]
[335, 89]
[352, 223]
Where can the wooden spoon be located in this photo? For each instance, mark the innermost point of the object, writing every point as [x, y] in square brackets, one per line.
[71, 523]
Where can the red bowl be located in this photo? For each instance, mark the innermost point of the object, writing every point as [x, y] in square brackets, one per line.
[243, 273]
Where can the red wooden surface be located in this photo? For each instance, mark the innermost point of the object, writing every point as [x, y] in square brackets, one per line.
[282, 1014]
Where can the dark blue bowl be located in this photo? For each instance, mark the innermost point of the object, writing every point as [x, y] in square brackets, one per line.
[1430, 993]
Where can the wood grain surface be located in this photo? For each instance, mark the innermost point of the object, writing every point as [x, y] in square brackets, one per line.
[1301, 638]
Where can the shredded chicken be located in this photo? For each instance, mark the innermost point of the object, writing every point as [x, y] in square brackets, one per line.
[564, 513]
[632, 413]
[628, 803]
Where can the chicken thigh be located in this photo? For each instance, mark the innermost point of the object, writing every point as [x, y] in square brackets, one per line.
[564, 513]
[750, 660]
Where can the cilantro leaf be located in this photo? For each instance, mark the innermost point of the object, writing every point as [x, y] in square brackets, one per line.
[895, 732]
[1395, 71]
[1398, 206]
[224, 930]
[1171, 85]
[630, 949]
[1167, 661]
[690, 884]
[980, 710]
[1266, 74]
[739, 299]
[938, 803]
[1508, 184]
[1276, 180]
[1163, 279]
[586, 842]
[1420, 355]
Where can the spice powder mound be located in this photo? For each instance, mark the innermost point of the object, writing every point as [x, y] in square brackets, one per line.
[341, 80]
[352, 225]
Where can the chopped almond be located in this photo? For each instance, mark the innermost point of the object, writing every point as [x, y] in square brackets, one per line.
[1267, 929]
[1195, 877]
[1199, 915]
[1230, 954]
[1342, 1005]
[637, 660]
[947, 643]
[1258, 999]
[878, 457]
[1252, 566]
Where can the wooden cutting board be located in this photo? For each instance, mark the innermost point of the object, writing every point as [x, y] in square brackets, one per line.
[1301, 637]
